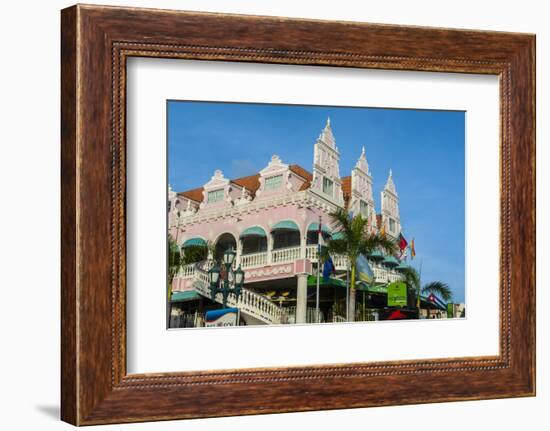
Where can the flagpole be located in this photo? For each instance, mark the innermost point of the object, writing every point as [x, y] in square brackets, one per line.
[318, 272]
[418, 288]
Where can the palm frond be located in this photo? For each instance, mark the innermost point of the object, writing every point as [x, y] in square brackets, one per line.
[440, 289]
[412, 278]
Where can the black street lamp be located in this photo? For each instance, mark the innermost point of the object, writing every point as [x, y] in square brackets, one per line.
[226, 288]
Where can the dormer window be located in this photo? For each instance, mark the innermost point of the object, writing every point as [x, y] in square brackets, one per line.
[328, 186]
[274, 182]
[215, 196]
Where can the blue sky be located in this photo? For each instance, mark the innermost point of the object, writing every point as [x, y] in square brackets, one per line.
[425, 150]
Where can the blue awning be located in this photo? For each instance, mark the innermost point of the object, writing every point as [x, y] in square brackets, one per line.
[188, 295]
[314, 227]
[285, 225]
[194, 242]
[253, 231]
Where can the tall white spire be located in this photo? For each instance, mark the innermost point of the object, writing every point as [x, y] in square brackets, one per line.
[390, 207]
[362, 163]
[362, 201]
[327, 136]
[390, 185]
[326, 167]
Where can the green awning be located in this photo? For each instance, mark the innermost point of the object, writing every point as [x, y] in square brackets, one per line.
[194, 242]
[338, 235]
[312, 281]
[390, 261]
[285, 225]
[402, 267]
[376, 255]
[371, 288]
[188, 295]
[314, 227]
[253, 231]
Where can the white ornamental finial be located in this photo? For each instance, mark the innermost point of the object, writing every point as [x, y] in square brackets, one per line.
[390, 184]
[328, 121]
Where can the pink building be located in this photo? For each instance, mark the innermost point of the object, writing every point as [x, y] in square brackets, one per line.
[271, 220]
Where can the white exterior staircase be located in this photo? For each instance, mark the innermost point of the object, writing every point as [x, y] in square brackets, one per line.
[254, 308]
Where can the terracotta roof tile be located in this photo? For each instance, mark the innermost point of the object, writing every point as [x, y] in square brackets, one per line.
[346, 190]
[301, 172]
[378, 220]
[251, 183]
[194, 195]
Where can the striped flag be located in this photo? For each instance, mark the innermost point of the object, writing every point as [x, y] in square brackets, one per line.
[413, 251]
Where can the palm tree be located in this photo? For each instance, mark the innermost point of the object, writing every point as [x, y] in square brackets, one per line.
[175, 262]
[439, 288]
[353, 239]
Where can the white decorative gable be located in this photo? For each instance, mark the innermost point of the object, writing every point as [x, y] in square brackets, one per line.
[390, 207]
[216, 191]
[326, 167]
[362, 200]
[274, 178]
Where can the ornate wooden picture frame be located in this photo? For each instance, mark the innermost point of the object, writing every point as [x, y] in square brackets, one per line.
[96, 42]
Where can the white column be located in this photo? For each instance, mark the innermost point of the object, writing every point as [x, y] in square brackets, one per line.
[301, 298]
[303, 242]
[239, 252]
[269, 248]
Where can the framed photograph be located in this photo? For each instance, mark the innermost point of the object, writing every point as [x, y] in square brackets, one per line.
[267, 215]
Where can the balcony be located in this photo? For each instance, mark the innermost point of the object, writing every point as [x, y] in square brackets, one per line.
[382, 274]
[253, 260]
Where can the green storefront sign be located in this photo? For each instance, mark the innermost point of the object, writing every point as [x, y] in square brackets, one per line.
[397, 294]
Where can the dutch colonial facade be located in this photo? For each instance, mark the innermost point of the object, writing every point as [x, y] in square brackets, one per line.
[271, 220]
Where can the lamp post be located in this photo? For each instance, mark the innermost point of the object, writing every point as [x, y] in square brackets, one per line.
[225, 286]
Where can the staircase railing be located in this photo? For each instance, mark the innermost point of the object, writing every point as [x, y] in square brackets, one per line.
[249, 302]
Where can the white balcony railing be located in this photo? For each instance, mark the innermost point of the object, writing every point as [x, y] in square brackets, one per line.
[187, 271]
[382, 274]
[253, 260]
[282, 255]
[252, 303]
[340, 262]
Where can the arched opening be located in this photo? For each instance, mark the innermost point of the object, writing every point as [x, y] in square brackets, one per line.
[194, 250]
[224, 242]
[254, 240]
[285, 234]
[312, 236]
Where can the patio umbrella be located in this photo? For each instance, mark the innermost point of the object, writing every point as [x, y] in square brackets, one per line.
[396, 315]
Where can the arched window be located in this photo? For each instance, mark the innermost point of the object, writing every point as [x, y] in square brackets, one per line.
[224, 242]
[285, 234]
[254, 240]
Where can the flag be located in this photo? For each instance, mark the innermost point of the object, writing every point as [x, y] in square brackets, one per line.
[413, 251]
[364, 271]
[402, 242]
[328, 269]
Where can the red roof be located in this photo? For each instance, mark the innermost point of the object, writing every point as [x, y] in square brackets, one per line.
[251, 183]
[346, 190]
